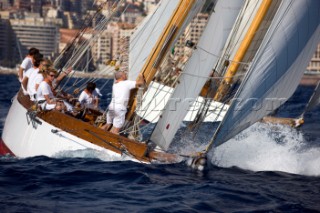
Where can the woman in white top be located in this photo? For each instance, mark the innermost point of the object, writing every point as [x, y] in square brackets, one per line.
[45, 96]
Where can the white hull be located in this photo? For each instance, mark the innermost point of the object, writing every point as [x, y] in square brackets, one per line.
[24, 140]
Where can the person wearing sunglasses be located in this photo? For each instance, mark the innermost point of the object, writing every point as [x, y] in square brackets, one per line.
[45, 96]
[89, 98]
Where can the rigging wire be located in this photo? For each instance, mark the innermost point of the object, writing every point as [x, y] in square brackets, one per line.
[206, 105]
[188, 32]
[167, 58]
[84, 46]
[262, 47]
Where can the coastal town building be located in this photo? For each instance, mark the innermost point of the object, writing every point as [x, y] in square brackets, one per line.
[66, 37]
[5, 4]
[149, 5]
[26, 23]
[314, 64]
[121, 33]
[109, 45]
[132, 15]
[102, 48]
[5, 41]
[192, 33]
[36, 32]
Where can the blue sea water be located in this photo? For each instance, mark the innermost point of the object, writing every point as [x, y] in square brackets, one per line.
[267, 168]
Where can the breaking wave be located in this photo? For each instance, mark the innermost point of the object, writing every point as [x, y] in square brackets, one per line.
[269, 147]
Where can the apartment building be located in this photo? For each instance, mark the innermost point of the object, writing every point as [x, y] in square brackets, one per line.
[102, 48]
[6, 51]
[4, 4]
[22, 4]
[121, 33]
[314, 64]
[132, 15]
[37, 32]
[192, 33]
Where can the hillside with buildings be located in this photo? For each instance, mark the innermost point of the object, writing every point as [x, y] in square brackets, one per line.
[50, 25]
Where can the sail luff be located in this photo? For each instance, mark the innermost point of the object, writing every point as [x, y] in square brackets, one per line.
[162, 46]
[167, 37]
[314, 100]
[203, 59]
[147, 34]
[277, 69]
[235, 63]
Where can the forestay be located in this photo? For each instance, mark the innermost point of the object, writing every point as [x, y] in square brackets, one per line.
[276, 71]
[149, 31]
[197, 70]
[315, 99]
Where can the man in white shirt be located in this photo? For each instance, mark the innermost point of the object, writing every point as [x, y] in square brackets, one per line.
[33, 77]
[27, 63]
[120, 96]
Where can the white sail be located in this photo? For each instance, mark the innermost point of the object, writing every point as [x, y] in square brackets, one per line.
[200, 64]
[155, 100]
[246, 16]
[277, 69]
[147, 34]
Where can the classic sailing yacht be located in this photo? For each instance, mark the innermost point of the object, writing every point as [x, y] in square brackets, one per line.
[277, 61]
[297, 122]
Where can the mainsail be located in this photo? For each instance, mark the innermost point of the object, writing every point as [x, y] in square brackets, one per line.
[277, 69]
[147, 34]
[197, 70]
[170, 33]
[149, 31]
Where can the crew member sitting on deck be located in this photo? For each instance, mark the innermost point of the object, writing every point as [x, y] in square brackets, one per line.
[45, 96]
[120, 97]
[89, 96]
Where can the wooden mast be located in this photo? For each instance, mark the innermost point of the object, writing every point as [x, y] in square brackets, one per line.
[233, 67]
[162, 46]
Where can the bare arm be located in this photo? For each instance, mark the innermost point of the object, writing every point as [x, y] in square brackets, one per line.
[37, 86]
[140, 80]
[49, 101]
[20, 74]
[24, 83]
[63, 75]
[96, 103]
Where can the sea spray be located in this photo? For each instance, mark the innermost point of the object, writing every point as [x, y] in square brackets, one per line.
[90, 153]
[268, 147]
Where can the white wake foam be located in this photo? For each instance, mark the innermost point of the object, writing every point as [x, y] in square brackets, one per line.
[265, 147]
[90, 153]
